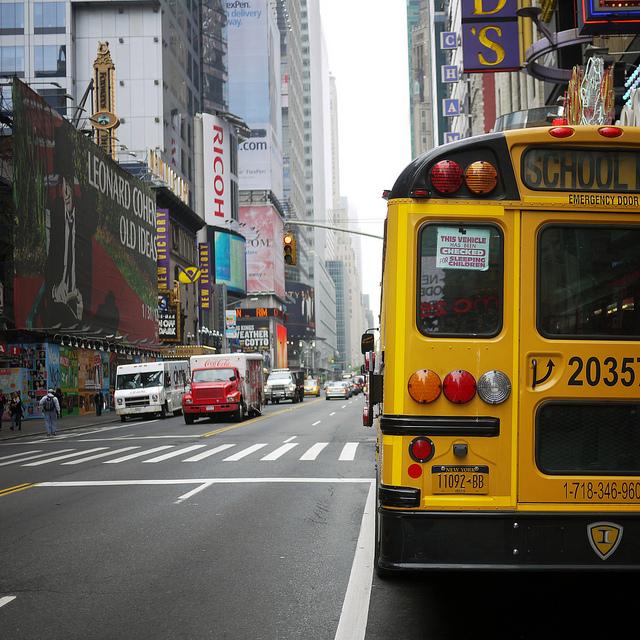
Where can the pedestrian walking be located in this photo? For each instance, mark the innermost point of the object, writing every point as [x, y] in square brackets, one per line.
[58, 394]
[50, 408]
[99, 400]
[3, 402]
[16, 411]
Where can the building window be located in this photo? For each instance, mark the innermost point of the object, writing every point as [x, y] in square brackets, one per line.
[11, 18]
[12, 61]
[48, 17]
[56, 99]
[50, 61]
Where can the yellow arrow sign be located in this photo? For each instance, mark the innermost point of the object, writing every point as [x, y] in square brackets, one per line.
[189, 275]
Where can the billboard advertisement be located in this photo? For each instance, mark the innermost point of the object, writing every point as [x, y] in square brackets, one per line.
[162, 249]
[260, 163]
[490, 37]
[230, 326]
[169, 327]
[301, 313]
[85, 248]
[204, 284]
[264, 229]
[254, 335]
[216, 151]
[255, 92]
[229, 260]
[248, 61]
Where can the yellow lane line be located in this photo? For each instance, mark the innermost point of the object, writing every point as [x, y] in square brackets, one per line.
[16, 488]
[251, 421]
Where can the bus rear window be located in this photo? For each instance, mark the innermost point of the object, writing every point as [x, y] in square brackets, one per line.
[460, 280]
[589, 281]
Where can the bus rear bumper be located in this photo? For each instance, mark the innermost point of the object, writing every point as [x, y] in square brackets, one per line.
[419, 541]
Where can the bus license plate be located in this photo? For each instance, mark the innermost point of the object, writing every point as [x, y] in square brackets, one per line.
[468, 478]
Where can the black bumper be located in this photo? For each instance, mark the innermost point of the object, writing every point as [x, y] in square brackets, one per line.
[431, 541]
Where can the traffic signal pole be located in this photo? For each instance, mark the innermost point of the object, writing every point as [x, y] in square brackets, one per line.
[328, 226]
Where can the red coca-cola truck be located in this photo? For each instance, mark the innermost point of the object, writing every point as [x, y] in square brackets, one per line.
[224, 384]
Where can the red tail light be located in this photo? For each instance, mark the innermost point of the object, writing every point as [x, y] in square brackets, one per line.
[421, 449]
[446, 176]
[459, 386]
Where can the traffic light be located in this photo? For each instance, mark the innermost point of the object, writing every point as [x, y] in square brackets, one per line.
[289, 248]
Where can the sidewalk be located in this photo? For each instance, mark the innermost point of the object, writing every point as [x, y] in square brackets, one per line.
[66, 423]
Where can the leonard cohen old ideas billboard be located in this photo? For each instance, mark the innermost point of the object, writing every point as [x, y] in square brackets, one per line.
[85, 248]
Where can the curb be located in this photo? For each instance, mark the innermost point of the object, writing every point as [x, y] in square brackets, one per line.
[60, 428]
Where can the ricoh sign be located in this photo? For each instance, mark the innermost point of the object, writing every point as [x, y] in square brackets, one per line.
[216, 139]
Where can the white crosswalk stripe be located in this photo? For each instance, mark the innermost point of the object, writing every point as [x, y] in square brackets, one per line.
[64, 457]
[74, 457]
[175, 454]
[22, 453]
[348, 451]
[280, 451]
[245, 452]
[139, 454]
[39, 455]
[101, 455]
[313, 452]
[210, 452]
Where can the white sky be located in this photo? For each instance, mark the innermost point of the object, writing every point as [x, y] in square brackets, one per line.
[367, 47]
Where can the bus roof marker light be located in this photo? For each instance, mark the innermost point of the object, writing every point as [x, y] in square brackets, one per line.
[459, 386]
[610, 132]
[561, 132]
[481, 177]
[494, 387]
[446, 176]
[424, 386]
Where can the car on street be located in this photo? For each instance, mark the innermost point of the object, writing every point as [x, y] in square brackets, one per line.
[340, 389]
[312, 387]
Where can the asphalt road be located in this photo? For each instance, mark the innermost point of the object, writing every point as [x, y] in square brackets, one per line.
[155, 529]
[244, 531]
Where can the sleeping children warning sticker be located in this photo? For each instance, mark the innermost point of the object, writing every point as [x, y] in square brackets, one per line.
[462, 248]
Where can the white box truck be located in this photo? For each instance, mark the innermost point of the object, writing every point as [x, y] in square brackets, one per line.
[153, 388]
[224, 384]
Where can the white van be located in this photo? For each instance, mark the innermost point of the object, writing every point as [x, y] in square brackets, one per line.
[151, 388]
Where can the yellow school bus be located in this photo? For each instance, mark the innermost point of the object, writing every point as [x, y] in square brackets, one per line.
[505, 388]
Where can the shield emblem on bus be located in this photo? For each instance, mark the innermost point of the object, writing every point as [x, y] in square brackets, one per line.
[604, 538]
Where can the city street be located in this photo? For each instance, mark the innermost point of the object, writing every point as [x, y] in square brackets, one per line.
[256, 530]
[155, 529]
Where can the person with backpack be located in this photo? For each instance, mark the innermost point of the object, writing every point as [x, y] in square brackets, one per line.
[50, 408]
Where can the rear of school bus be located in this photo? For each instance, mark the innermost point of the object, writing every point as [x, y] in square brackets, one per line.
[509, 427]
